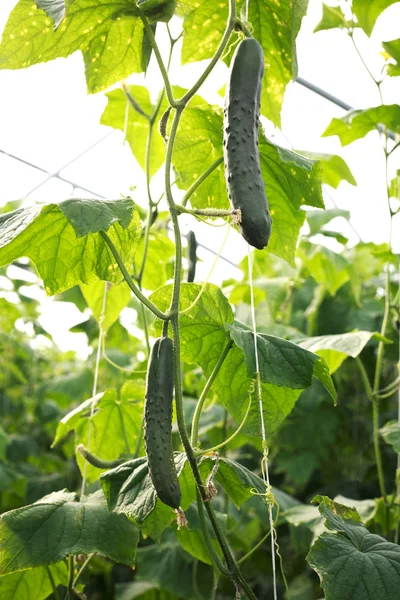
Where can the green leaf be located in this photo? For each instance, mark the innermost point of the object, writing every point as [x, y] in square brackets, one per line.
[329, 269]
[357, 123]
[238, 482]
[203, 338]
[332, 17]
[393, 48]
[12, 480]
[135, 125]
[117, 298]
[191, 538]
[160, 251]
[334, 168]
[281, 362]
[336, 348]
[130, 491]
[373, 562]
[170, 567]
[367, 12]
[33, 584]
[291, 181]
[71, 228]
[391, 434]
[274, 26]
[56, 525]
[201, 128]
[109, 35]
[318, 218]
[116, 424]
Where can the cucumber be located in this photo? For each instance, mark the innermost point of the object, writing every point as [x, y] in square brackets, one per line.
[245, 185]
[158, 423]
[192, 252]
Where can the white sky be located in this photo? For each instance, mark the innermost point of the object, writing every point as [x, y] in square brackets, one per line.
[47, 118]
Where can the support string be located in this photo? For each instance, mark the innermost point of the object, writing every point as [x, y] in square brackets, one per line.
[264, 462]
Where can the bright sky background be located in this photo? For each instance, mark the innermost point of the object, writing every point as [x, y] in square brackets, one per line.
[47, 118]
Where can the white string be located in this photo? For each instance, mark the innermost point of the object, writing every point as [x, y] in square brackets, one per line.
[260, 404]
[96, 377]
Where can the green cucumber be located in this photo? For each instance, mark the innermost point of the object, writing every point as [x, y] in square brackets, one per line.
[245, 185]
[192, 252]
[158, 423]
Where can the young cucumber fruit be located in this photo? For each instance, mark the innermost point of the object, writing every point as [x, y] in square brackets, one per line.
[158, 423]
[245, 185]
[192, 252]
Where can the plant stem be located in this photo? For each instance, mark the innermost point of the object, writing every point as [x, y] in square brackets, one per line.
[98, 462]
[351, 34]
[129, 280]
[204, 393]
[231, 437]
[250, 552]
[53, 583]
[225, 39]
[163, 70]
[375, 425]
[70, 586]
[83, 567]
[213, 555]
[207, 212]
[200, 180]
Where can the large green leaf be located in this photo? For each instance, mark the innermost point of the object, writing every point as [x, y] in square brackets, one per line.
[274, 25]
[334, 168]
[32, 584]
[318, 218]
[130, 491]
[71, 229]
[357, 123]
[352, 563]
[393, 48]
[336, 348]
[332, 17]
[367, 12]
[291, 180]
[108, 32]
[329, 269]
[117, 298]
[160, 251]
[45, 532]
[114, 426]
[203, 338]
[240, 483]
[191, 538]
[135, 125]
[169, 567]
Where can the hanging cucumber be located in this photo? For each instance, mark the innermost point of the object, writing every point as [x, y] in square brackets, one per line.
[245, 185]
[192, 252]
[158, 423]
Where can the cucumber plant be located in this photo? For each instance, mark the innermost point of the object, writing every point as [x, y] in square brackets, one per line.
[213, 363]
